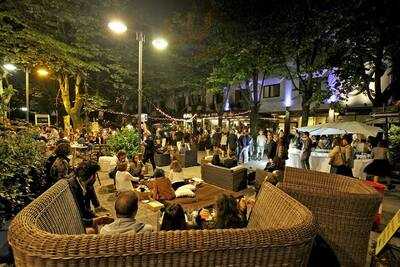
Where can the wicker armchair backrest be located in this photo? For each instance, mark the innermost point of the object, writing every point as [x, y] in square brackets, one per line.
[318, 179]
[274, 209]
[289, 245]
[56, 211]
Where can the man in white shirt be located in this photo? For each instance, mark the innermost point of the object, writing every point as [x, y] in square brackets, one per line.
[126, 207]
[261, 141]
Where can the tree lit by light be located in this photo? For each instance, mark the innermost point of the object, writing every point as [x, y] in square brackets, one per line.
[10, 67]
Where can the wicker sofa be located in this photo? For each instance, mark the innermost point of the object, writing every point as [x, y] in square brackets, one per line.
[233, 179]
[344, 209]
[48, 232]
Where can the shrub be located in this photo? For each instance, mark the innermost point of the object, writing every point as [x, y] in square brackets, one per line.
[127, 139]
[394, 141]
[21, 164]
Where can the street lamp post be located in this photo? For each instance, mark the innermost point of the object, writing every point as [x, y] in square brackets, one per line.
[159, 43]
[140, 38]
[27, 93]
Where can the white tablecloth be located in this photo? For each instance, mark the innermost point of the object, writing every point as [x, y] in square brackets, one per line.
[319, 162]
[293, 158]
[358, 169]
[107, 163]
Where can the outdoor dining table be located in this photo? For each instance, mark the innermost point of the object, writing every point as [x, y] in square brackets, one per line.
[358, 169]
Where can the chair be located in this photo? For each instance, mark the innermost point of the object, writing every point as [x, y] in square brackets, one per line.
[162, 159]
[343, 207]
[49, 232]
[234, 179]
[188, 158]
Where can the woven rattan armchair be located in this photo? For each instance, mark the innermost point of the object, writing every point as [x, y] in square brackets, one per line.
[344, 209]
[48, 232]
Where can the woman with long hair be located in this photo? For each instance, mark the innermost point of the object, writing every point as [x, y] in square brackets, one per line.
[173, 218]
[228, 213]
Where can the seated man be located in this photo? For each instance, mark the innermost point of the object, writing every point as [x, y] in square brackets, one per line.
[126, 207]
[231, 160]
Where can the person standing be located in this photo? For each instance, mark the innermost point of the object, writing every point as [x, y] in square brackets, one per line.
[270, 147]
[336, 158]
[149, 150]
[224, 142]
[232, 142]
[244, 143]
[261, 141]
[380, 166]
[348, 152]
[305, 151]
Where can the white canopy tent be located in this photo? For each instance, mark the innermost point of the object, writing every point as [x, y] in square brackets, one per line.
[353, 127]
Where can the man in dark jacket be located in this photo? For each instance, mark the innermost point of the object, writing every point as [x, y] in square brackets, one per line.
[232, 142]
[270, 147]
[149, 150]
[79, 183]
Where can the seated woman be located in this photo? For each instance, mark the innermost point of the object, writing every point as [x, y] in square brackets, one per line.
[161, 186]
[229, 214]
[216, 160]
[136, 167]
[231, 160]
[176, 175]
[123, 179]
[174, 218]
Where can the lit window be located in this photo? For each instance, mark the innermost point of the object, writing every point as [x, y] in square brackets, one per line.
[272, 90]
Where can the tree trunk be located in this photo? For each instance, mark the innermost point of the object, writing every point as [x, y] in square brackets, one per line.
[379, 71]
[255, 106]
[305, 114]
[74, 111]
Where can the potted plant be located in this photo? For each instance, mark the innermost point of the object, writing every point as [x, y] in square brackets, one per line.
[125, 139]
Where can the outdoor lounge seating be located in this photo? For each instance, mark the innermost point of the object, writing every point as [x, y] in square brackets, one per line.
[49, 232]
[162, 159]
[343, 207]
[233, 179]
[189, 158]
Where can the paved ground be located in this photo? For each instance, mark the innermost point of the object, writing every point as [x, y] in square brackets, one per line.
[391, 202]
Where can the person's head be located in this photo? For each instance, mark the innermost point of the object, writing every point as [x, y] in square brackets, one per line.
[63, 149]
[158, 141]
[121, 155]
[122, 166]
[159, 173]
[269, 135]
[336, 142]
[61, 135]
[86, 169]
[175, 166]
[260, 132]
[126, 204]
[227, 213]
[136, 158]
[306, 134]
[173, 218]
[231, 154]
[346, 139]
[382, 143]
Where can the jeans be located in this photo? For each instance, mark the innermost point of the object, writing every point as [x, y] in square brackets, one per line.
[244, 154]
[305, 164]
[260, 151]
